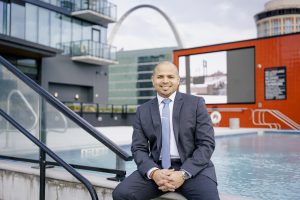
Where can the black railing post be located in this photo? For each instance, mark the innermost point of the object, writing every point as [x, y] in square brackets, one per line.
[42, 159]
[124, 111]
[81, 109]
[112, 111]
[97, 111]
[120, 165]
[42, 174]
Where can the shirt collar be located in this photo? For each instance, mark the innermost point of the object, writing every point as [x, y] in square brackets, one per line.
[160, 99]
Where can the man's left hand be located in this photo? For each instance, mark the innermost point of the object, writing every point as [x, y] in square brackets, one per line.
[176, 178]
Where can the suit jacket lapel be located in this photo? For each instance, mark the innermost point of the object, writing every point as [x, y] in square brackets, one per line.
[176, 113]
[156, 120]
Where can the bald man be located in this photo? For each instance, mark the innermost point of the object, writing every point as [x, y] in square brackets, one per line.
[188, 169]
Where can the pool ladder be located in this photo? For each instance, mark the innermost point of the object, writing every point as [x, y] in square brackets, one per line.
[258, 118]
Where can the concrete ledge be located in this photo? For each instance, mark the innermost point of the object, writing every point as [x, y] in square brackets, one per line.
[60, 185]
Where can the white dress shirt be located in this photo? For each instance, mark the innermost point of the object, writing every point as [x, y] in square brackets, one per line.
[173, 146]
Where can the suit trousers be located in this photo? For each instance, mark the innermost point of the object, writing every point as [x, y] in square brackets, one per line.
[138, 187]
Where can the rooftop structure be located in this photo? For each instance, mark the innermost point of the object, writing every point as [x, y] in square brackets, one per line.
[279, 17]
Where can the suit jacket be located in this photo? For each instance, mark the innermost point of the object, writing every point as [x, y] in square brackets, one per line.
[193, 132]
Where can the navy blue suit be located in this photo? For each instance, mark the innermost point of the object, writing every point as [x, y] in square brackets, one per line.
[194, 137]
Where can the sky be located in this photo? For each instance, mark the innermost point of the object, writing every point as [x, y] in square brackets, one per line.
[199, 22]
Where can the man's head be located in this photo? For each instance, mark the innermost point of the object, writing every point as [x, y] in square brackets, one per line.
[165, 78]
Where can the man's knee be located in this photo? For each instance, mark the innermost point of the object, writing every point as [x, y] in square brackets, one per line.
[121, 193]
[118, 193]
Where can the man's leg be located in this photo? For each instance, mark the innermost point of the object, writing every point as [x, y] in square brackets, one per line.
[136, 187]
[199, 187]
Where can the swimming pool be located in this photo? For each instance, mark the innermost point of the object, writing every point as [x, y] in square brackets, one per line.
[260, 166]
[263, 166]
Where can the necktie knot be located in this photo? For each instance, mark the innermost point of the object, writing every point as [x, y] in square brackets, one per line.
[166, 101]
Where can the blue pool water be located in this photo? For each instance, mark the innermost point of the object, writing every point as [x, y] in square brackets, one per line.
[259, 166]
[263, 167]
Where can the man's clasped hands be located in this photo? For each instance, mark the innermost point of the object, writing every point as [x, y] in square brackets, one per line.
[167, 179]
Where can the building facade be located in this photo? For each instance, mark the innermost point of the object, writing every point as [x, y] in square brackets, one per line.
[60, 44]
[130, 80]
[279, 17]
[262, 77]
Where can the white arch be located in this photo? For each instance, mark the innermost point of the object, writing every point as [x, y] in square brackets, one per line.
[120, 21]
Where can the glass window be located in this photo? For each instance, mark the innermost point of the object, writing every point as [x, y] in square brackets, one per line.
[96, 35]
[276, 25]
[76, 30]
[44, 27]
[103, 36]
[298, 24]
[260, 30]
[6, 18]
[55, 2]
[265, 28]
[31, 23]
[86, 31]
[103, 31]
[66, 30]
[76, 5]
[55, 21]
[17, 21]
[288, 25]
[1, 16]
[47, 1]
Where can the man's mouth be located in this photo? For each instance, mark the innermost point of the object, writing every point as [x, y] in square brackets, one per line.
[165, 87]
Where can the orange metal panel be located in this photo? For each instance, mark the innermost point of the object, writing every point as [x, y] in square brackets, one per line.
[269, 52]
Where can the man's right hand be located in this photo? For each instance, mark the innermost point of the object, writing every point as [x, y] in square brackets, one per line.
[162, 178]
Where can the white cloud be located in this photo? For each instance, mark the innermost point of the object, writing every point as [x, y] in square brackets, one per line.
[199, 23]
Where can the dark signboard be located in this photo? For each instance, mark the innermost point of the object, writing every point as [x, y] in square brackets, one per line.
[275, 83]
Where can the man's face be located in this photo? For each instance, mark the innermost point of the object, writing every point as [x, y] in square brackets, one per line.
[165, 79]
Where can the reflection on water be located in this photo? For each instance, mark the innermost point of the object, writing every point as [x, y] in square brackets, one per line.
[258, 166]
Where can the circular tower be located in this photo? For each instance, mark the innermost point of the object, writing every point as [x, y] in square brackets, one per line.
[279, 17]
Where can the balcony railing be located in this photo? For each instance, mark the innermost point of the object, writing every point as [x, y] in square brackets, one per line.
[92, 10]
[97, 11]
[90, 52]
[80, 107]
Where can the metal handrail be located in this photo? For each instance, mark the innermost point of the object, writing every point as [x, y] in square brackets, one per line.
[277, 114]
[69, 113]
[119, 173]
[286, 119]
[261, 120]
[55, 157]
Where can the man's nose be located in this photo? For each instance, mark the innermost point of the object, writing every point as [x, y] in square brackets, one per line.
[165, 80]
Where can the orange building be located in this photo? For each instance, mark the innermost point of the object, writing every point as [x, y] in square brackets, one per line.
[252, 83]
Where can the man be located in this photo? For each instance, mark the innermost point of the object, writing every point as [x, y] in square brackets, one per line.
[171, 153]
